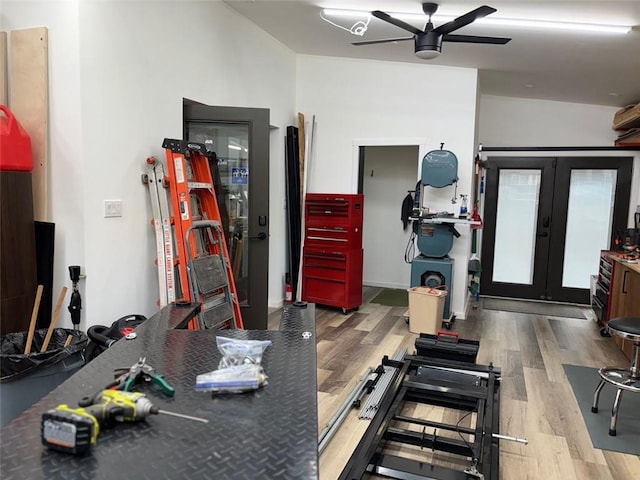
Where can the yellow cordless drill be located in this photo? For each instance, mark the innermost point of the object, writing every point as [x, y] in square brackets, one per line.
[75, 430]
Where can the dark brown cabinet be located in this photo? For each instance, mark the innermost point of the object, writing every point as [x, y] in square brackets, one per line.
[18, 253]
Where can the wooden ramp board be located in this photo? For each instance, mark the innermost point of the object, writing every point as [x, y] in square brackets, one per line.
[4, 94]
[29, 102]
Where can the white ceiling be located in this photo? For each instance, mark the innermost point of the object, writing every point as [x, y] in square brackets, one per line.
[599, 69]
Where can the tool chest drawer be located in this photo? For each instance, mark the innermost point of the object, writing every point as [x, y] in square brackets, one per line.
[324, 291]
[338, 236]
[328, 210]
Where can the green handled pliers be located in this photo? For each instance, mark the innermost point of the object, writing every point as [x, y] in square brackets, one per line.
[126, 378]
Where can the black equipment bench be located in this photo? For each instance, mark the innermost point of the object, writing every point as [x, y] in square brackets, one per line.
[269, 433]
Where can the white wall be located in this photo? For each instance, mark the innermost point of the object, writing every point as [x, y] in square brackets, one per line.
[363, 99]
[519, 122]
[389, 172]
[523, 122]
[137, 62]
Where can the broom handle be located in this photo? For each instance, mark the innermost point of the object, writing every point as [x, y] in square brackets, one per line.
[54, 320]
[34, 317]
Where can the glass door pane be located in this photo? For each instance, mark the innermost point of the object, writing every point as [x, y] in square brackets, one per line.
[230, 142]
[589, 220]
[516, 221]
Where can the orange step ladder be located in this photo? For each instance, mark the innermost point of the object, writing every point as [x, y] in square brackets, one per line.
[205, 272]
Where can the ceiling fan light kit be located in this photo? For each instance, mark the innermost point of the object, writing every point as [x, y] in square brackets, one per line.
[428, 47]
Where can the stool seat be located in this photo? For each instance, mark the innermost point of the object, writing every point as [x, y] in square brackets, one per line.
[626, 327]
[623, 379]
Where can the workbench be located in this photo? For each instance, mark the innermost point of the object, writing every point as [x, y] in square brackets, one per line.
[271, 433]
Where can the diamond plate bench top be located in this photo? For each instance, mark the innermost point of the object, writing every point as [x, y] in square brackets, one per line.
[271, 433]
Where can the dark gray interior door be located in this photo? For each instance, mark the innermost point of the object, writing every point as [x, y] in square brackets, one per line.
[240, 138]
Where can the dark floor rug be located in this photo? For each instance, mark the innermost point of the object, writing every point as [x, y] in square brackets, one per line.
[392, 297]
[534, 308]
[584, 381]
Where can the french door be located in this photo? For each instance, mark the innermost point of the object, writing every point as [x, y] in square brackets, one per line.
[240, 139]
[545, 222]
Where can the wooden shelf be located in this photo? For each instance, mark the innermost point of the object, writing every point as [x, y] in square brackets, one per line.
[627, 117]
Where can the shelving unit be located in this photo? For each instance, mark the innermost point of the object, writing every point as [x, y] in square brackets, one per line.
[626, 122]
[332, 254]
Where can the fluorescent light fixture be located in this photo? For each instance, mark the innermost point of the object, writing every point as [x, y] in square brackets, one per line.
[234, 147]
[504, 22]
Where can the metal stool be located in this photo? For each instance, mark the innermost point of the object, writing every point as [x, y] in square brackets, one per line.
[621, 378]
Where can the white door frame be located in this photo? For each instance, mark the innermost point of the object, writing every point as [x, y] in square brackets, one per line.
[383, 142]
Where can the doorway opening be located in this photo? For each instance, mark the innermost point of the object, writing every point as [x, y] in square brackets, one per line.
[386, 170]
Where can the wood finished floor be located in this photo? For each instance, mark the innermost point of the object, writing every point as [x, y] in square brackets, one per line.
[537, 402]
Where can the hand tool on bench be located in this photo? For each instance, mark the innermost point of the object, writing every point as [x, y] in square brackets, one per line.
[75, 430]
[140, 371]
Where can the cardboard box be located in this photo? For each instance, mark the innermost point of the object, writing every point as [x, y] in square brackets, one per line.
[426, 307]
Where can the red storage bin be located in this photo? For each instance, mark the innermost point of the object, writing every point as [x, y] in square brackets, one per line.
[15, 144]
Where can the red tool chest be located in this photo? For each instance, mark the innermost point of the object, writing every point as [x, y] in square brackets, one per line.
[332, 255]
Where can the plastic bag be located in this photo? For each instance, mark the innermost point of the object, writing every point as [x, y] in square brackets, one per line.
[16, 365]
[234, 379]
[239, 369]
[240, 352]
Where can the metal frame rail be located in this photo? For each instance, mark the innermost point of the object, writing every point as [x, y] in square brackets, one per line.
[457, 385]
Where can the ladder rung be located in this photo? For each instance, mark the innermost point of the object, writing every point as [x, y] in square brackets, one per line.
[205, 224]
[216, 317]
[199, 186]
[209, 273]
[213, 301]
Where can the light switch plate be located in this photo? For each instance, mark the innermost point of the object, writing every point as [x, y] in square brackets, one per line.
[112, 208]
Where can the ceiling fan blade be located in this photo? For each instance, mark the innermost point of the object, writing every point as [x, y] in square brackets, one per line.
[386, 40]
[394, 21]
[465, 19]
[475, 39]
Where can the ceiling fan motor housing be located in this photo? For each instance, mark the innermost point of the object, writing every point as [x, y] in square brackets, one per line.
[428, 46]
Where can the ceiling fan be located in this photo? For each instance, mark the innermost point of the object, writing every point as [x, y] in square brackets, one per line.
[428, 42]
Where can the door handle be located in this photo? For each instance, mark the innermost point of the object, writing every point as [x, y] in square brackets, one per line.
[543, 234]
[260, 236]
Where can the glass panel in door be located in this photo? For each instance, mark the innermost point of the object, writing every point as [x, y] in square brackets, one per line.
[589, 220]
[516, 220]
[230, 142]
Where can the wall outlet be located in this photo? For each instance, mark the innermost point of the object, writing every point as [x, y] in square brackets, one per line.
[112, 208]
